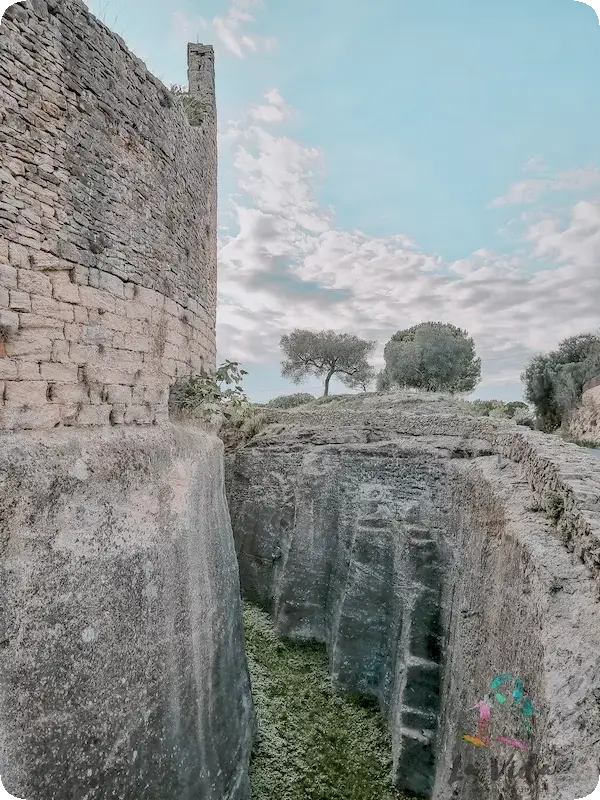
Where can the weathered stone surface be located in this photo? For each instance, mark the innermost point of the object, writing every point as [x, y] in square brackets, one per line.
[399, 531]
[122, 669]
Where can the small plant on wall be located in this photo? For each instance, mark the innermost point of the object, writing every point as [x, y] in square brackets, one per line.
[206, 394]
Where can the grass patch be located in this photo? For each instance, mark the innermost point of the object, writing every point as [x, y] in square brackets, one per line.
[313, 744]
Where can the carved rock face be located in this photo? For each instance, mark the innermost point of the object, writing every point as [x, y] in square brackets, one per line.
[412, 557]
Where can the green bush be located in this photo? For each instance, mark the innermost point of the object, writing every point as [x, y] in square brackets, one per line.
[290, 400]
[554, 381]
[247, 419]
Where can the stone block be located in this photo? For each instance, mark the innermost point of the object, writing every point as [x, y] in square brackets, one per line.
[141, 415]
[60, 351]
[117, 414]
[63, 289]
[135, 341]
[80, 315]
[8, 276]
[96, 393]
[49, 307]
[18, 256]
[80, 275]
[44, 261]
[68, 413]
[139, 311]
[70, 393]
[28, 370]
[44, 417]
[119, 395]
[94, 415]
[149, 297]
[112, 284]
[8, 369]
[19, 301]
[28, 322]
[64, 373]
[9, 320]
[41, 348]
[97, 298]
[34, 282]
[26, 393]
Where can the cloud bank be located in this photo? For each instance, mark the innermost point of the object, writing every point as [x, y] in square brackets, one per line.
[289, 264]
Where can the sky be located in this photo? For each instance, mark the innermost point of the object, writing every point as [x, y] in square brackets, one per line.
[393, 162]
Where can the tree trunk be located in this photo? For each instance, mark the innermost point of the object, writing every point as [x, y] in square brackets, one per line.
[327, 379]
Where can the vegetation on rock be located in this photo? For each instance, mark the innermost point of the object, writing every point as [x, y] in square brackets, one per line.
[325, 354]
[290, 400]
[312, 743]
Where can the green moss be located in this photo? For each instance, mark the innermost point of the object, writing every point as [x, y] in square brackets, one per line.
[312, 743]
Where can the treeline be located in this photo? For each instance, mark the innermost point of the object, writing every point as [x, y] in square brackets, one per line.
[439, 357]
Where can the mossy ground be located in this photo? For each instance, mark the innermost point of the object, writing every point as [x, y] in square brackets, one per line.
[312, 743]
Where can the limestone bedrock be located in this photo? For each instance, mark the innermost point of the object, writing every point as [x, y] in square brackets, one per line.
[410, 538]
[122, 665]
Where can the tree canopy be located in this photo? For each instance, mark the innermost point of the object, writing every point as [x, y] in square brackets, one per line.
[554, 381]
[325, 354]
[434, 356]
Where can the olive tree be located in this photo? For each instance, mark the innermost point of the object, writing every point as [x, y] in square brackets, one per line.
[325, 354]
[434, 356]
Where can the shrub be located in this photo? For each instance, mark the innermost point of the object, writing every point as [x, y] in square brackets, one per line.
[247, 419]
[204, 394]
[290, 400]
[554, 381]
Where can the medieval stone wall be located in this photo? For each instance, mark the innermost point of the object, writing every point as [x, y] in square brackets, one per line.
[107, 224]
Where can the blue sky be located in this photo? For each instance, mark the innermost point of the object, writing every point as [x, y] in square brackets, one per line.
[392, 162]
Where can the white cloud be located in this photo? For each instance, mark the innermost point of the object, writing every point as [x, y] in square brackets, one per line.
[535, 164]
[230, 29]
[290, 266]
[529, 191]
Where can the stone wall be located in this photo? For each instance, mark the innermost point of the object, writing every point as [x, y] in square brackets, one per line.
[107, 224]
[584, 422]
